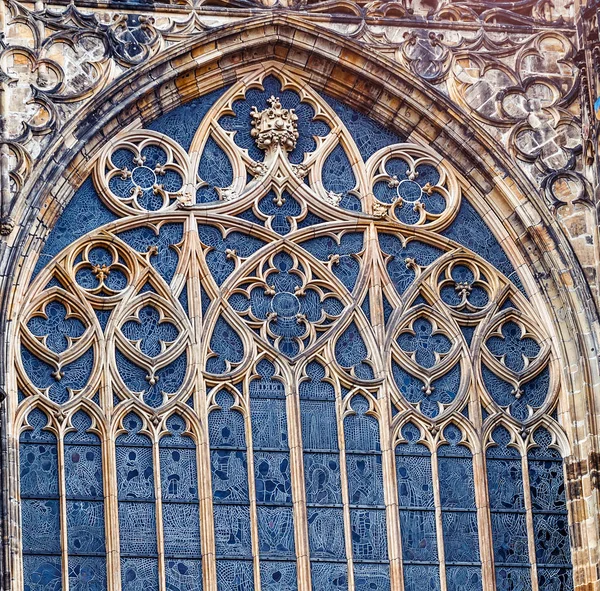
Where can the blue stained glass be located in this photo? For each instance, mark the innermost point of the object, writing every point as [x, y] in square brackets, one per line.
[232, 531]
[273, 479]
[461, 537]
[42, 573]
[226, 426]
[181, 526]
[315, 386]
[555, 579]
[371, 577]
[137, 528]
[183, 574]
[182, 122]
[319, 425]
[220, 257]
[166, 380]
[509, 532]
[85, 527]
[442, 390]
[512, 349]
[345, 267]
[326, 533]
[269, 424]
[87, 573]
[229, 476]
[469, 229]
[152, 332]
[227, 347]
[420, 577]
[368, 134]
[41, 526]
[235, 575]
[59, 382]
[215, 170]
[338, 177]
[401, 274]
[83, 214]
[531, 393]
[278, 576]
[351, 352]
[365, 479]
[322, 475]
[425, 345]
[329, 576]
[139, 573]
[419, 540]
[241, 121]
[163, 256]
[415, 482]
[513, 578]
[58, 328]
[280, 210]
[454, 470]
[361, 430]
[369, 535]
[463, 578]
[276, 532]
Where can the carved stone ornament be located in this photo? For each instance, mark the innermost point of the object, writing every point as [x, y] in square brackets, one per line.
[274, 126]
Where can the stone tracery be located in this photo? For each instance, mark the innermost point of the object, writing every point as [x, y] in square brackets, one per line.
[191, 305]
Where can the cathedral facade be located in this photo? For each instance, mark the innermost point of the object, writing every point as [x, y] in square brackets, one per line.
[299, 296]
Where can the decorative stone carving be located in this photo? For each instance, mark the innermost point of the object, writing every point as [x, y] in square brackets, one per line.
[274, 127]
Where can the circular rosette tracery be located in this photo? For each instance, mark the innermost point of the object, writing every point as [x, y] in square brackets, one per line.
[57, 347]
[152, 350]
[287, 303]
[102, 270]
[414, 186]
[144, 171]
[515, 366]
[429, 363]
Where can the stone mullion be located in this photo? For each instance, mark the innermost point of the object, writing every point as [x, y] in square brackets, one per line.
[111, 507]
[345, 490]
[62, 500]
[206, 513]
[439, 528]
[252, 491]
[160, 538]
[298, 488]
[388, 461]
[529, 522]
[484, 522]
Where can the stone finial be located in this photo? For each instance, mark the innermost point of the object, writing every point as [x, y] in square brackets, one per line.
[274, 126]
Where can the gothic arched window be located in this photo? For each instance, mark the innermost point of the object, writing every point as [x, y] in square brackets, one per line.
[270, 345]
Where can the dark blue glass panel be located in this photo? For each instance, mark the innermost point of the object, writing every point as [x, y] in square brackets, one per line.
[552, 539]
[226, 426]
[463, 578]
[420, 577]
[85, 527]
[369, 534]
[419, 541]
[345, 266]
[227, 347]
[181, 526]
[163, 257]
[365, 479]
[369, 135]
[555, 579]
[509, 533]
[425, 344]
[84, 213]
[371, 577]
[87, 573]
[513, 578]
[73, 376]
[232, 531]
[241, 121]
[322, 475]
[469, 229]
[182, 122]
[351, 352]
[229, 476]
[461, 537]
[319, 425]
[41, 526]
[235, 575]
[58, 328]
[42, 573]
[329, 576]
[219, 258]
[278, 576]
[276, 532]
[338, 177]
[183, 574]
[215, 170]
[326, 533]
[139, 573]
[151, 331]
[400, 274]
[361, 430]
[137, 529]
[272, 476]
